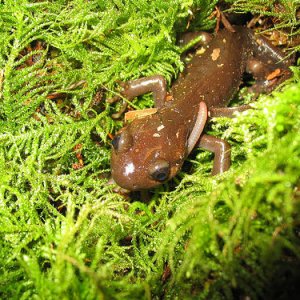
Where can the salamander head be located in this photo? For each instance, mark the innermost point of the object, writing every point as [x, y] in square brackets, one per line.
[147, 153]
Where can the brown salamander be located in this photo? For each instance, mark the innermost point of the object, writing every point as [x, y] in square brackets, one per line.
[151, 150]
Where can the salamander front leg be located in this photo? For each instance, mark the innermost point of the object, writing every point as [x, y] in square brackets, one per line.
[155, 84]
[220, 148]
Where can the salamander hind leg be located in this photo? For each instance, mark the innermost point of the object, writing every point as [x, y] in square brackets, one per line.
[268, 65]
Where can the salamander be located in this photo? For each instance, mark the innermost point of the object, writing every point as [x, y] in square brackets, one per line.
[151, 150]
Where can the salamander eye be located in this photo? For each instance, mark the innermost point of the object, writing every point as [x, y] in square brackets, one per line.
[122, 141]
[160, 170]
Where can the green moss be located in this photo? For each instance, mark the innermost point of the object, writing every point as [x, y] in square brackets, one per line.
[63, 232]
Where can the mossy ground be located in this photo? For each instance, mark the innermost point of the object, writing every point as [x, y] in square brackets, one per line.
[65, 234]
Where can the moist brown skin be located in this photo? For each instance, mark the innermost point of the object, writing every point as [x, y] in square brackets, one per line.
[151, 150]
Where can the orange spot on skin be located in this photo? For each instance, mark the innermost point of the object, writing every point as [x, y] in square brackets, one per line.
[169, 98]
[215, 54]
[140, 113]
[274, 74]
[200, 51]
